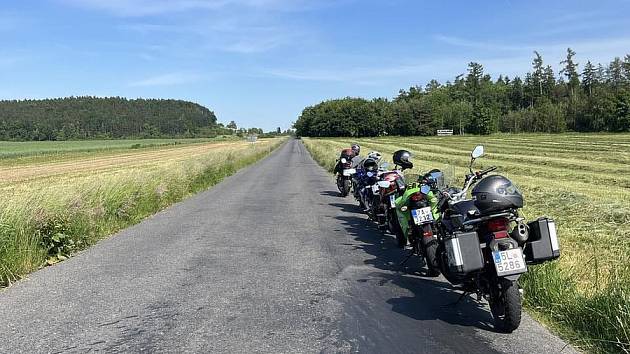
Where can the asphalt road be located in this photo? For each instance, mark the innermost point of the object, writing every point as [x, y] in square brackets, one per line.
[269, 260]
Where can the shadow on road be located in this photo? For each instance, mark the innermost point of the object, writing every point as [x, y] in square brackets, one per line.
[331, 193]
[432, 299]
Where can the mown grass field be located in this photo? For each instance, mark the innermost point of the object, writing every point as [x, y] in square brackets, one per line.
[55, 205]
[580, 180]
[28, 152]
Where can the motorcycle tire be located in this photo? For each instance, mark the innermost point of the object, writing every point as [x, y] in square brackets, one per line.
[506, 306]
[394, 228]
[430, 255]
[345, 188]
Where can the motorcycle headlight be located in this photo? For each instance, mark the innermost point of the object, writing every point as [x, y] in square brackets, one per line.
[343, 160]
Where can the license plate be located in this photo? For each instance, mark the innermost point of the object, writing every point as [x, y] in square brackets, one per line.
[509, 262]
[375, 188]
[422, 216]
[392, 201]
[349, 172]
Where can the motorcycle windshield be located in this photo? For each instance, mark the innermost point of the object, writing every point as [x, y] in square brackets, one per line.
[412, 177]
[448, 177]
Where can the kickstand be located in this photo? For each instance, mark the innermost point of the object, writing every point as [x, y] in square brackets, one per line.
[406, 259]
[464, 294]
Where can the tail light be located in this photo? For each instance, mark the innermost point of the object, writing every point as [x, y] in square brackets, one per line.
[427, 232]
[498, 227]
[416, 197]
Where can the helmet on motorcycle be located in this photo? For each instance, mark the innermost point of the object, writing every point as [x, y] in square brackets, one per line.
[496, 193]
[401, 158]
[356, 148]
[375, 155]
[370, 164]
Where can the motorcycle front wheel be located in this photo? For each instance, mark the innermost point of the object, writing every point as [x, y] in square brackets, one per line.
[344, 186]
[394, 227]
[506, 306]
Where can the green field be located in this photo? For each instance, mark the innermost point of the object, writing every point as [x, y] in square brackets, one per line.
[54, 205]
[580, 180]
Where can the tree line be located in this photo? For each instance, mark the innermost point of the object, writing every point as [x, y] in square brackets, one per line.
[75, 118]
[595, 98]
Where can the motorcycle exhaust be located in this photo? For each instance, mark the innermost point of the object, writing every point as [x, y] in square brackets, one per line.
[520, 233]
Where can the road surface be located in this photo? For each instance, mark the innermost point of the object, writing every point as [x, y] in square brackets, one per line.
[269, 260]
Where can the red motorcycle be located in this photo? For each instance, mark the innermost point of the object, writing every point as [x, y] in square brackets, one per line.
[344, 171]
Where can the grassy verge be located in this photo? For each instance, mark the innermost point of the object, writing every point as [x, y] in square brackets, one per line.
[46, 219]
[580, 180]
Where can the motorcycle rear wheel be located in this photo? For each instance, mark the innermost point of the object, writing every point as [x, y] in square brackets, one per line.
[430, 255]
[506, 306]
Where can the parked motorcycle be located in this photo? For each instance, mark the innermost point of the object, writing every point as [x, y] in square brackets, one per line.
[364, 181]
[485, 245]
[345, 171]
[417, 213]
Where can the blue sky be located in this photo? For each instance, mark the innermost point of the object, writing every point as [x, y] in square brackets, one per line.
[259, 62]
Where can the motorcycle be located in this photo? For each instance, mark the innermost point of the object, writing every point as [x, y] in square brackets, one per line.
[392, 185]
[364, 182]
[485, 245]
[417, 214]
[344, 172]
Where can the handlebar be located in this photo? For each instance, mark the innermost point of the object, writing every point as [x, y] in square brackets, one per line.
[470, 179]
[486, 171]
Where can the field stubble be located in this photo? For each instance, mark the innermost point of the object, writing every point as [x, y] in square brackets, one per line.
[583, 182]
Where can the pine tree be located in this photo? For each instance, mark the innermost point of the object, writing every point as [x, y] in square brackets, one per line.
[537, 76]
[589, 77]
[570, 72]
[615, 73]
[549, 81]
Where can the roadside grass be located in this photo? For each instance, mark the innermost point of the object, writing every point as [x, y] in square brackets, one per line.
[47, 218]
[580, 180]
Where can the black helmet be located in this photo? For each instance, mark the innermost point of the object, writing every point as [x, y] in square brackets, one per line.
[370, 164]
[497, 193]
[356, 148]
[401, 158]
[435, 178]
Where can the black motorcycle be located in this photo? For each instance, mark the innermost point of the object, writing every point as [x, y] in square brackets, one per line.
[344, 171]
[485, 245]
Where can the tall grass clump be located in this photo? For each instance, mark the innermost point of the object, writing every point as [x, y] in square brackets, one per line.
[580, 180]
[45, 220]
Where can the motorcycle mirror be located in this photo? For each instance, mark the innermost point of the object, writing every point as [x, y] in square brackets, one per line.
[383, 184]
[477, 152]
[384, 165]
[425, 189]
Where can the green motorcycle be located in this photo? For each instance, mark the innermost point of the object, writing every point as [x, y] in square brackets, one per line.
[417, 212]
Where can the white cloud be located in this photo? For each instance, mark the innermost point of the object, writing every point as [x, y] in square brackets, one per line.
[496, 59]
[596, 50]
[475, 44]
[170, 79]
[140, 8]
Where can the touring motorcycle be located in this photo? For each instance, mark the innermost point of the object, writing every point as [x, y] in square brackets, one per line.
[485, 245]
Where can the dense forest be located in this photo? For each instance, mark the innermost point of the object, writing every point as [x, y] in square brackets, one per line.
[592, 98]
[75, 118]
